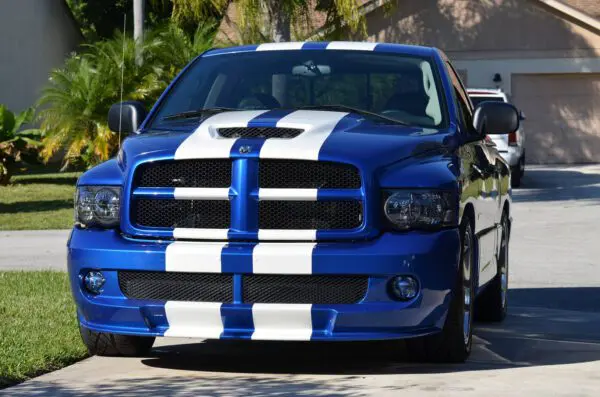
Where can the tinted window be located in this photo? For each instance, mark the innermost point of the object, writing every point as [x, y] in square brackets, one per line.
[476, 100]
[401, 87]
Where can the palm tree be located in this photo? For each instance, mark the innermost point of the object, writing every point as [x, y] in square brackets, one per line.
[76, 100]
[279, 16]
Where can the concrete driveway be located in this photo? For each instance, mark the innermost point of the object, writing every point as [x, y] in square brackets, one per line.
[548, 346]
[33, 249]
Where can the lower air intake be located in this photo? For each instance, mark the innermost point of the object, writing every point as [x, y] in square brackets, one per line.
[308, 289]
[172, 286]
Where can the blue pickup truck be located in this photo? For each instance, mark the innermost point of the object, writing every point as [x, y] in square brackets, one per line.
[311, 191]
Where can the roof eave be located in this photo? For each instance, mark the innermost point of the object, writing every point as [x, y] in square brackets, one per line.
[588, 22]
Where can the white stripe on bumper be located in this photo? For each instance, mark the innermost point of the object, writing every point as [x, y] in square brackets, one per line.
[183, 256]
[194, 319]
[200, 234]
[318, 125]
[287, 234]
[199, 193]
[282, 258]
[281, 321]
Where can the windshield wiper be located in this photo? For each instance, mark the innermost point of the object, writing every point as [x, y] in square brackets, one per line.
[197, 113]
[350, 109]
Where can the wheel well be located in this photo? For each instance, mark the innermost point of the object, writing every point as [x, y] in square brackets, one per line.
[506, 210]
[470, 213]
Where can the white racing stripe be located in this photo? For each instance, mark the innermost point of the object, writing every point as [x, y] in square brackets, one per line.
[194, 319]
[294, 45]
[281, 321]
[205, 143]
[184, 256]
[282, 258]
[351, 45]
[200, 234]
[287, 234]
[200, 193]
[318, 125]
[287, 194]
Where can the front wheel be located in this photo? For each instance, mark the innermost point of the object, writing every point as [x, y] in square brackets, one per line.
[492, 304]
[453, 343]
[517, 172]
[105, 344]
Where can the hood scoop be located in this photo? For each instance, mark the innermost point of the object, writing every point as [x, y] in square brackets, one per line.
[259, 132]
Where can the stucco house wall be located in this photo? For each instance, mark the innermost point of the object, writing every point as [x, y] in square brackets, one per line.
[549, 62]
[35, 36]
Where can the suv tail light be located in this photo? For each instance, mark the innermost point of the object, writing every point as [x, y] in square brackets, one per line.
[512, 138]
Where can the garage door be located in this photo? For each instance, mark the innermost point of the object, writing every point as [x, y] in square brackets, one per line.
[563, 116]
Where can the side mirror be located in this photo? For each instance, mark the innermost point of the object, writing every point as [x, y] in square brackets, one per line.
[126, 115]
[495, 118]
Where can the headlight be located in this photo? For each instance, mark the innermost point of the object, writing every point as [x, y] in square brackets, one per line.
[419, 209]
[97, 206]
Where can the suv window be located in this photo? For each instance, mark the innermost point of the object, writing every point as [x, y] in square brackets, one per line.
[476, 100]
[398, 86]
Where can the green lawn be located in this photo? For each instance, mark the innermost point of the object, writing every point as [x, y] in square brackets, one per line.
[38, 201]
[38, 326]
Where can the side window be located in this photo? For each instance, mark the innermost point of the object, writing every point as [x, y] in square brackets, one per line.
[464, 104]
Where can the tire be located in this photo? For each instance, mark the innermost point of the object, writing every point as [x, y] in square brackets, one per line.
[492, 304]
[453, 343]
[517, 172]
[105, 344]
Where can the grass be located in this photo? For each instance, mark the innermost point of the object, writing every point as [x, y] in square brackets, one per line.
[38, 327]
[38, 201]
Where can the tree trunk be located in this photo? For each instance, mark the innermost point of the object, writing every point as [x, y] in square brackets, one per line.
[280, 21]
[138, 27]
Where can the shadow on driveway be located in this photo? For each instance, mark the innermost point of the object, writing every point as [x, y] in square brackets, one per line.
[547, 326]
[556, 184]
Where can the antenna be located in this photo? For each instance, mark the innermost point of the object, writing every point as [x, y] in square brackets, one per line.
[122, 76]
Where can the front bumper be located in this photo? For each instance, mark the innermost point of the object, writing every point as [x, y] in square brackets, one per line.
[430, 257]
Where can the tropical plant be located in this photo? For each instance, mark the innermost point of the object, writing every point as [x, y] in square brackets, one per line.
[75, 103]
[16, 145]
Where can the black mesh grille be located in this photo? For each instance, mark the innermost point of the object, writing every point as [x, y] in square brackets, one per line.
[291, 174]
[184, 173]
[209, 214]
[313, 289]
[259, 132]
[320, 215]
[194, 287]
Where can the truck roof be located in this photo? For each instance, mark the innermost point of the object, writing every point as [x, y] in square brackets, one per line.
[332, 45]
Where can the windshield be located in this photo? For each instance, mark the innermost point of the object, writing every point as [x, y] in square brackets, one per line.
[400, 88]
[476, 100]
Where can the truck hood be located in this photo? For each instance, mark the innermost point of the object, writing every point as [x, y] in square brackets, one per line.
[326, 136]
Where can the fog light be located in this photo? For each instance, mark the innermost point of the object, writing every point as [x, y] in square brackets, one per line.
[404, 287]
[94, 281]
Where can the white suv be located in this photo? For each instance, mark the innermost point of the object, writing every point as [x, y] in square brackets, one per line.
[511, 146]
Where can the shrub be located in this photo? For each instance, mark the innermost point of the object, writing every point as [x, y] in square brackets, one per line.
[15, 146]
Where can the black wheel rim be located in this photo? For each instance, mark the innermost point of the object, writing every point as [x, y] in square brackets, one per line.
[503, 266]
[467, 261]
